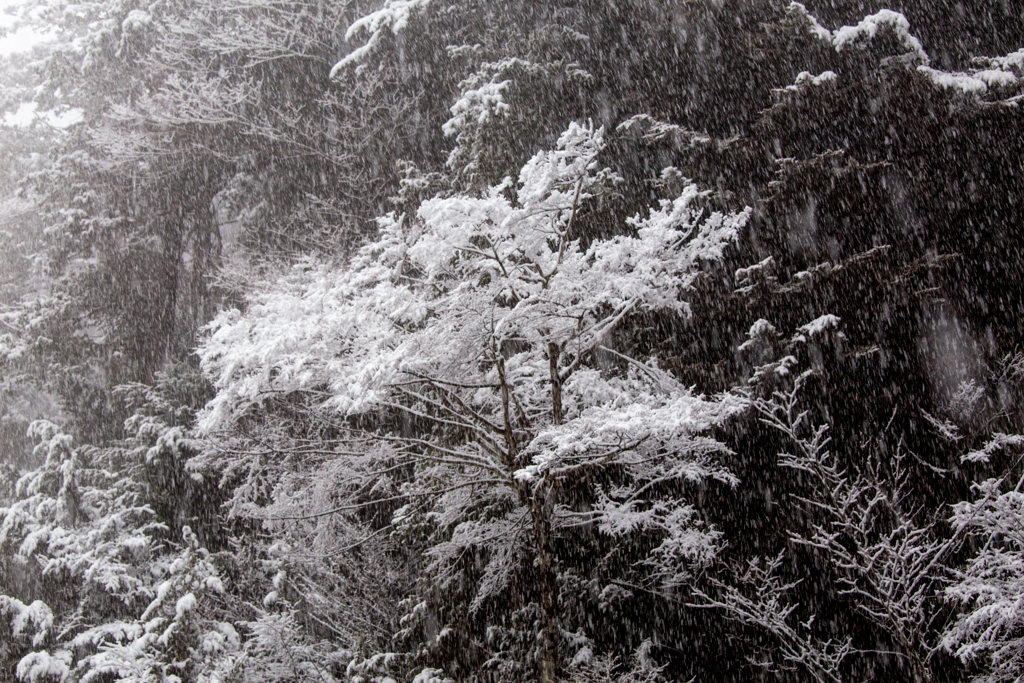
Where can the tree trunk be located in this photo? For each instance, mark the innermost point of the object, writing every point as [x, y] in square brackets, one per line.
[541, 509]
[556, 382]
[510, 438]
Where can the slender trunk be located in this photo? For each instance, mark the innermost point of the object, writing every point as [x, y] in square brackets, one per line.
[919, 669]
[510, 438]
[541, 509]
[556, 382]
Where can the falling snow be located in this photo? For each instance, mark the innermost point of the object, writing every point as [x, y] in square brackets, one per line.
[425, 341]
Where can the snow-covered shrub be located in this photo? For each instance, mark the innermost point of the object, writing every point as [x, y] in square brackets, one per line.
[990, 589]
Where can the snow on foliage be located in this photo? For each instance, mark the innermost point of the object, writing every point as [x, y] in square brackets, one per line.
[275, 650]
[137, 20]
[990, 589]
[800, 10]
[761, 329]
[491, 106]
[77, 518]
[653, 422]
[35, 619]
[820, 325]
[394, 15]
[43, 667]
[166, 639]
[879, 551]
[998, 442]
[808, 77]
[958, 81]
[999, 74]
[477, 104]
[883, 21]
[431, 676]
[804, 81]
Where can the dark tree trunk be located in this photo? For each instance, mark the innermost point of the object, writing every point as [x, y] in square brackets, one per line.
[541, 509]
[556, 382]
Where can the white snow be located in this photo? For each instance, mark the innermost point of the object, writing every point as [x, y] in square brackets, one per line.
[222, 639]
[35, 619]
[761, 329]
[229, 633]
[784, 366]
[996, 77]
[960, 81]
[185, 604]
[998, 442]
[42, 666]
[584, 656]
[28, 113]
[823, 77]
[479, 104]
[136, 20]
[1012, 61]
[431, 676]
[23, 39]
[117, 631]
[816, 29]
[870, 26]
[806, 77]
[998, 72]
[820, 324]
[394, 15]
[759, 332]
[748, 277]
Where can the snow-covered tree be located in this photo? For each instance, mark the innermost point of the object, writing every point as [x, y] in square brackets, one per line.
[989, 587]
[91, 538]
[485, 325]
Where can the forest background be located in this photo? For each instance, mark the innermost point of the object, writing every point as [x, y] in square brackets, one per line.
[430, 341]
